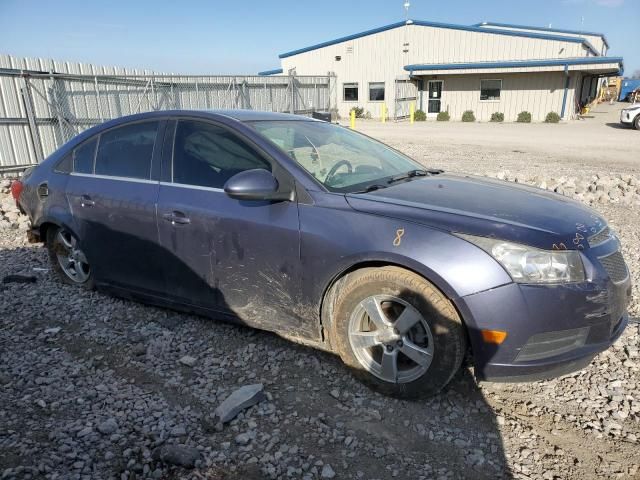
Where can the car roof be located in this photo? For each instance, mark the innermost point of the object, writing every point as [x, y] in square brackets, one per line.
[239, 115]
[256, 115]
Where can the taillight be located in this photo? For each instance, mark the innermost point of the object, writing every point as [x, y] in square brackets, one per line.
[16, 189]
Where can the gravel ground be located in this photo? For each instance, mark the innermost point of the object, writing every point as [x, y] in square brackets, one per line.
[92, 386]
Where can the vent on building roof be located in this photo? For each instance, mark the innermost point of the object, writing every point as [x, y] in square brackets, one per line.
[338, 58]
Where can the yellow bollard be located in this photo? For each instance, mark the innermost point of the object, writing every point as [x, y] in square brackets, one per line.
[352, 119]
[383, 116]
[412, 111]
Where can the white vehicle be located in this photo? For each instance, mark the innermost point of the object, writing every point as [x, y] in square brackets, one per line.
[630, 116]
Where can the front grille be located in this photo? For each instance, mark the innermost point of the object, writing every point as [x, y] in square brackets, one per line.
[600, 237]
[615, 267]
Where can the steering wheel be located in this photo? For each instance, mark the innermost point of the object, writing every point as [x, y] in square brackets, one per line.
[335, 168]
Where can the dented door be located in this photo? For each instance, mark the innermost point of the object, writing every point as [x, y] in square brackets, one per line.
[236, 256]
[239, 257]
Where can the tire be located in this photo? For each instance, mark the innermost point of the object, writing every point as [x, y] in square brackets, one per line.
[67, 259]
[399, 298]
[636, 122]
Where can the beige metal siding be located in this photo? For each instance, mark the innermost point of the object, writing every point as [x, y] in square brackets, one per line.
[380, 58]
[595, 40]
[537, 93]
[441, 45]
[374, 58]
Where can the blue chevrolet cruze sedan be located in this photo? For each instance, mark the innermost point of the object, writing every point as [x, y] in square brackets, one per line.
[332, 239]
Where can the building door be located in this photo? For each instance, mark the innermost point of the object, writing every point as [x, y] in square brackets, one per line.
[406, 94]
[434, 88]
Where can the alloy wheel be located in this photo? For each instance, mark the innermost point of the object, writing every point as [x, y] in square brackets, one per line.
[71, 259]
[391, 339]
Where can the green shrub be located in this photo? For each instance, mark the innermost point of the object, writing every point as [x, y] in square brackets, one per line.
[419, 116]
[552, 117]
[497, 117]
[359, 111]
[443, 117]
[524, 117]
[468, 116]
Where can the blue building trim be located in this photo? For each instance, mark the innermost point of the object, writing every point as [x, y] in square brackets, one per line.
[566, 89]
[515, 63]
[451, 26]
[543, 29]
[275, 71]
[628, 86]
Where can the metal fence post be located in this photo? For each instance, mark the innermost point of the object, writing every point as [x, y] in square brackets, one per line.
[29, 109]
[292, 91]
[95, 82]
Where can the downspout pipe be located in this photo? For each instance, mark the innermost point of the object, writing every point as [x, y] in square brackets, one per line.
[566, 88]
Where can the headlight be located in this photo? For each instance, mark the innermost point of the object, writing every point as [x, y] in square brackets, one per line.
[533, 265]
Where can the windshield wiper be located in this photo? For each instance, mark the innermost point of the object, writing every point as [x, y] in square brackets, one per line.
[371, 188]
[410, 174]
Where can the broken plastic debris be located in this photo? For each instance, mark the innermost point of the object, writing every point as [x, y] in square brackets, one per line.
[19, 279]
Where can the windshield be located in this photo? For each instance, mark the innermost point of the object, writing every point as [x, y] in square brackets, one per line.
[339, 158]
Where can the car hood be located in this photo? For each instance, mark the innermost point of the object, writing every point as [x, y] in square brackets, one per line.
[486, 207]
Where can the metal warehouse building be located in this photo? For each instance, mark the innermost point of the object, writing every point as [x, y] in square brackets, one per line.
[488, 67]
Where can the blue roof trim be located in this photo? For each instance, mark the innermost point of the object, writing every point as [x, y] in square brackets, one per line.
[451, 26]
[342, 39]
[515, 63]
[275, 71]
[543, 29]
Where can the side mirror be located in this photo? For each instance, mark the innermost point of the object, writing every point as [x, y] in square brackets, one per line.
[256, 184]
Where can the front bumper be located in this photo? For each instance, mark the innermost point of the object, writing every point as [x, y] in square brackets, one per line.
[553, 367]
[627, 117]
[551, 330]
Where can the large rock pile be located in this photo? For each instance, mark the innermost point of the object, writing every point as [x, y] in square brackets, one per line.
[10, 216]
[600, 188]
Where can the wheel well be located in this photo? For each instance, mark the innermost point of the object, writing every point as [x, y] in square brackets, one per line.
[328, 296]
[43, 230]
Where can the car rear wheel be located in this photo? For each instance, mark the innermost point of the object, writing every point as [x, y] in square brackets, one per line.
[68, 260]
[636, 122]
[397, 332]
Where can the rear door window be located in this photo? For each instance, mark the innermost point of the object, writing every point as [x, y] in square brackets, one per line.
[127, 151]
[83, 157]
[208, 155]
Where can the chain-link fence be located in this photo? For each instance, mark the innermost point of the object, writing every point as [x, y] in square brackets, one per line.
[39, 111]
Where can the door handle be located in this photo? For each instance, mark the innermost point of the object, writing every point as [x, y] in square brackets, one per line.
[176, 217]
[85, 201]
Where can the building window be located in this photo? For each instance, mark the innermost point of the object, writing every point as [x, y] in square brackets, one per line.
[376, 91]
[350, 92]
[490, 89]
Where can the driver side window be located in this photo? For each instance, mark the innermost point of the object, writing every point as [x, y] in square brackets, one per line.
[207, 155]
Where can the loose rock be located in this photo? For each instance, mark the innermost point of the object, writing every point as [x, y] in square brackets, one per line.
[180, 455]
[239, 400]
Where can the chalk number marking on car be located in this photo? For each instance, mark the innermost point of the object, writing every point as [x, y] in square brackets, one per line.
[398, 239]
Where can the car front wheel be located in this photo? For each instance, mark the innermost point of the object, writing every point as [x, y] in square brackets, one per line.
[67, 259]
[397, 332]
[636, 122]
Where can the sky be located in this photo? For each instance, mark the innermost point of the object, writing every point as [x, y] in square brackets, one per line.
[244, 37]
